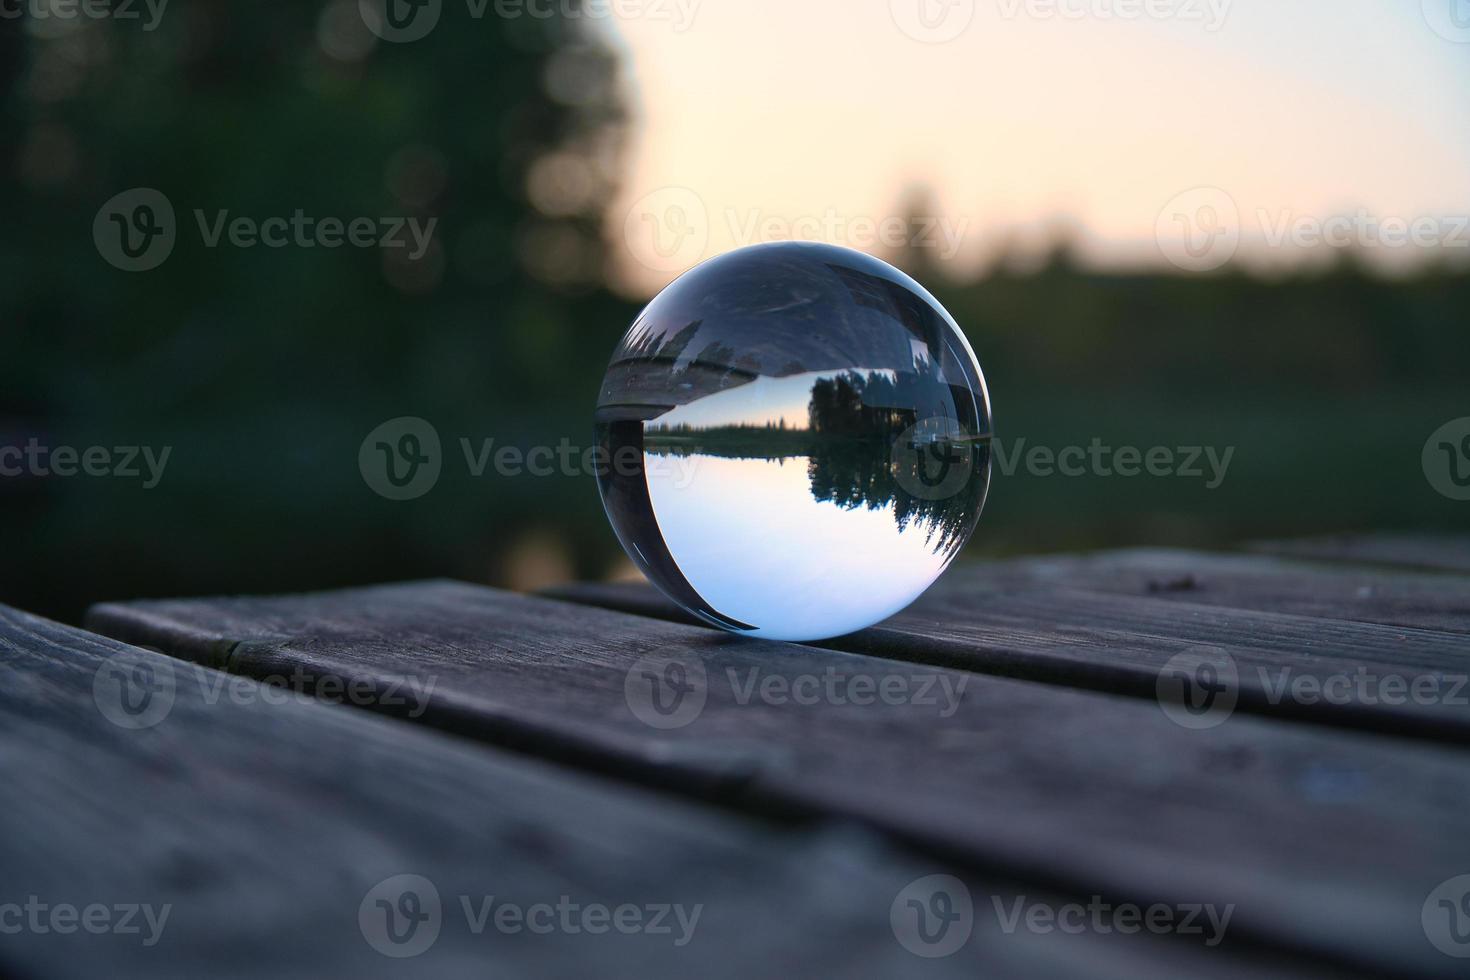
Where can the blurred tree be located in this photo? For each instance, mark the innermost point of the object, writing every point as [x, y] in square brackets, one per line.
[263, 368]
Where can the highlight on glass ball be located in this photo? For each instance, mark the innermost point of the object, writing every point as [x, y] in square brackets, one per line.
[799, 438]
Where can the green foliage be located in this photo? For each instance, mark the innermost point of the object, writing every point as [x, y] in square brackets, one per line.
[264, 368]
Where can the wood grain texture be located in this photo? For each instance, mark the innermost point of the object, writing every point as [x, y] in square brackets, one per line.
[1353, 593]
[1443, 552]
[263, 820]
[1114, 622]
[1325, 841]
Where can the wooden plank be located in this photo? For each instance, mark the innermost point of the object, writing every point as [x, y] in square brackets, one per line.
[1443, 552]
[1325, 842]
[265, 824]
[1013, 620]
[1356, 593]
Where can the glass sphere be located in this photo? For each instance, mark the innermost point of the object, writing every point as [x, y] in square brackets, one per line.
[795, 439]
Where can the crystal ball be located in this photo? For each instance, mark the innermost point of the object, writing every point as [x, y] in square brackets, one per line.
[794, 441]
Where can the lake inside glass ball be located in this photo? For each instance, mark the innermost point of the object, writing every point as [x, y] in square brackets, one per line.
[797, 441]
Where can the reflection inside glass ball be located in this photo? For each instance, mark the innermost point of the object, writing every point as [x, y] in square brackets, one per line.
[798, 441]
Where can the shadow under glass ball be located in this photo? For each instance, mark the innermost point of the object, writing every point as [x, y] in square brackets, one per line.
[799, 441]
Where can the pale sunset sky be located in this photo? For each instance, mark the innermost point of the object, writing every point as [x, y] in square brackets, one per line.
[755, 117]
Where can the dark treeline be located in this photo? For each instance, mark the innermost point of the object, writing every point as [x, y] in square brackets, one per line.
[853, 404]
[861, 404]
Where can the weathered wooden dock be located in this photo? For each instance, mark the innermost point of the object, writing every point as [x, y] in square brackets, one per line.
[1128, 764]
